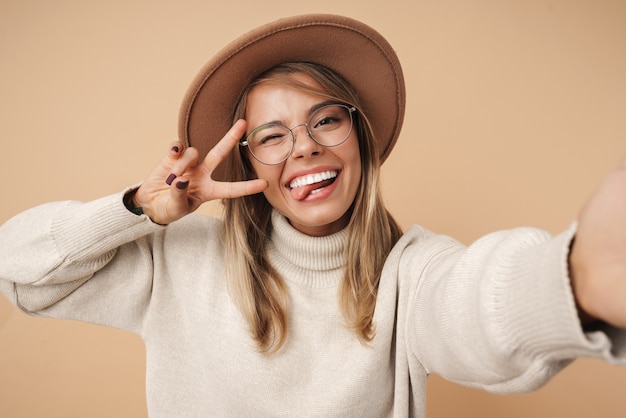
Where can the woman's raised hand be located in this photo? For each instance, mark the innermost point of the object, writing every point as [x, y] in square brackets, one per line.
[598, 258]
[180, 183]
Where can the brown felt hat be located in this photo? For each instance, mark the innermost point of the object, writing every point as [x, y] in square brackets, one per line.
[352, 49]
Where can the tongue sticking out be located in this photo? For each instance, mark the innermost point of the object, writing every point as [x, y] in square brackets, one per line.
[301, 193]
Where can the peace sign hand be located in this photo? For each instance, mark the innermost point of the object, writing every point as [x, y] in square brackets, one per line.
[180, 184]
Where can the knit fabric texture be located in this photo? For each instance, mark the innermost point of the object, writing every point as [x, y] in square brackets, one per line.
[498, 314]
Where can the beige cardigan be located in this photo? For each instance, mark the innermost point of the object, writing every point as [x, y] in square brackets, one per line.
[497, 315]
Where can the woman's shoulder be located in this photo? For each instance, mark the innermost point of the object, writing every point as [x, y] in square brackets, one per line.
[417, 235]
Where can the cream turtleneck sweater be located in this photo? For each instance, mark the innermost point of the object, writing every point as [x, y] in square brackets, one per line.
[497, 315]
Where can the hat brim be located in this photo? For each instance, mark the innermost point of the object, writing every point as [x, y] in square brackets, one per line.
[352, 49]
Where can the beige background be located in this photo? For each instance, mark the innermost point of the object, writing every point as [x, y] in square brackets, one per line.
[515, 111]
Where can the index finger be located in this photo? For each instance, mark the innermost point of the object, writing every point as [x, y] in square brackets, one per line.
[230, 190]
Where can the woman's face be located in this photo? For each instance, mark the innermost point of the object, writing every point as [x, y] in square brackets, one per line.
[313, 206]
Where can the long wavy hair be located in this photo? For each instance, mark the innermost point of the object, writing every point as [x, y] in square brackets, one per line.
[256, 287]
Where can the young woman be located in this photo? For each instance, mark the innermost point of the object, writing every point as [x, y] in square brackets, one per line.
[306, 298]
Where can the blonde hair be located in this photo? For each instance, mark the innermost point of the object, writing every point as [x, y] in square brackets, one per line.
[257, 288]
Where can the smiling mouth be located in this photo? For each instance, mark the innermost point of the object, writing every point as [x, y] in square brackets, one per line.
[309, 179]
[312, 183]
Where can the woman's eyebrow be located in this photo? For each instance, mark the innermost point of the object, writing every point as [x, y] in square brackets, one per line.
[320, 105]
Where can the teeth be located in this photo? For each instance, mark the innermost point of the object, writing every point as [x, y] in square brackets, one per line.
[312, 178]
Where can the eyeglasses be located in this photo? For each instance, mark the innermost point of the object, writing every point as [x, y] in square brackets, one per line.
[273, 143]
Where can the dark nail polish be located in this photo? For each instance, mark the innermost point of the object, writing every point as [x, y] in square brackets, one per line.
[175, 148]
[182, 185]
[170, 179]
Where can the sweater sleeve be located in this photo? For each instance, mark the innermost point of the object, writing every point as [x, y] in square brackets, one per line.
[53, 250]
[500, 314]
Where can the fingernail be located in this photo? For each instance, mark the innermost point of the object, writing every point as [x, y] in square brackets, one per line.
[170, 179]
[182, 185]
[175, 148]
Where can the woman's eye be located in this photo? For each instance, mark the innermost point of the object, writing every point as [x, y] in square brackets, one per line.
[272, 139]
[327, 122]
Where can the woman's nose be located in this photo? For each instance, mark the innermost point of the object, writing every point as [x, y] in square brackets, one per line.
[304, 145]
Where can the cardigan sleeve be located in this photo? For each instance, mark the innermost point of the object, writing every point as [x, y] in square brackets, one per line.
[53, 250]
[500, 314]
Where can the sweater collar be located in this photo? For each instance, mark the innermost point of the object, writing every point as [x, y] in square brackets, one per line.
[305, 251]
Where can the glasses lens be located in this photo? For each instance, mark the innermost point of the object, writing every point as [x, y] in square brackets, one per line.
[331, 125]
[271, 143]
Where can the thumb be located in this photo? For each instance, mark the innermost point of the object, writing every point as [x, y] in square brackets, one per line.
[178, 203]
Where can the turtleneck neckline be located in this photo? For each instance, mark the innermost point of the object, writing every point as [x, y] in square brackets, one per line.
[307, 252]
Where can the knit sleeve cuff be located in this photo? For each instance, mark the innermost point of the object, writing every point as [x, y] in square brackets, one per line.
[538, 310]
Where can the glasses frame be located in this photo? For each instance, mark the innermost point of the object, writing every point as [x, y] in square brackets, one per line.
[351, 109]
